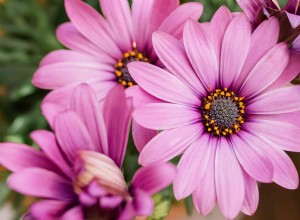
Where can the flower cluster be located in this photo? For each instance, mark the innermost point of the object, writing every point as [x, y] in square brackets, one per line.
[219, 93]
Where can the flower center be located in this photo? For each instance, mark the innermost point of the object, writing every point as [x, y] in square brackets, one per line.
[223, 112]
[122, 73]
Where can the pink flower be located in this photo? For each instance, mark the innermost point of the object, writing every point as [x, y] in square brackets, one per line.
[101, 48]
[224, 105]
[78, 169]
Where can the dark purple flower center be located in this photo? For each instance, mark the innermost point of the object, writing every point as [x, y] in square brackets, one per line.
[122, 73]
[223, 112]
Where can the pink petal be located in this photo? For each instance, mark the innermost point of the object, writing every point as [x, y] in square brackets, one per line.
[201, 53]
[141, 11]
[58, 100]
[93, 26]
[47, 142]
[251, 7]
[61, 56]
[154, 178]
[233, 55]
[161, 116]
[291, 71]
[162, 84]
[284, 136]
[41, 183]
[169, 144]
[271, 65]
[229, 180]
[192, 167]
[110, 202]
[16, 157]
[84, 103]
[71, 134]
[69, 36]
[141, 135]
[118, 15]
[218, 26]
[294, 19]
[160, 11]
[252, 157]
[61, 74]
[204, 197]
[285, 172]
[140, 97]
[117, 115]
[75, 213]
[251, 195]
[175, 22]
[263, 39]
[282, 100]
[128, 212]
[172, 53]
[48, 209]
[292, 6]
[143, 203]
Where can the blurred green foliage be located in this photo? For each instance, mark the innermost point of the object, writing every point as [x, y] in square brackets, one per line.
[27, 34]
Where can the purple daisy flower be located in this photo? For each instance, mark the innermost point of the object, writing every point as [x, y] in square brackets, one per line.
[77, 172]
[224, 105]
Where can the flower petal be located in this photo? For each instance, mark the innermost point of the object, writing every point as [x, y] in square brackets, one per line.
[154, 178]
[16, 157]
[201, 54]
[204, 197]
[47, 142]
[75, 213]
[162, 84]
[140, 97]
[84, 103]
[285, 172]
[117, 115]
[218, 26]
[172, 53]
[169, 144]
[175, 22]
[251, 7]
[72, 134]
[118, 15]
[29, 182]
[141, 11]
[160, 11]
[141, 135]
[161, 116]
[70, 37]
[282, 100]
[291, 71]
[48, 209]
[61, 56]
[271, 65]
[252, 158]
[128, 212]
[233, 55]
[56, 75]
[229, 180]
[259, 46]
[93, 26]
[251, 195]
[143, 203]
[192, 167]
[284, 136]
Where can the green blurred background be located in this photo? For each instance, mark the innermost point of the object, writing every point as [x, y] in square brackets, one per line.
[27, 34]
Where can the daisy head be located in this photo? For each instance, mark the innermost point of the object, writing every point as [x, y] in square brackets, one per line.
[223, 102]
[77, 173]
[100, 47]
